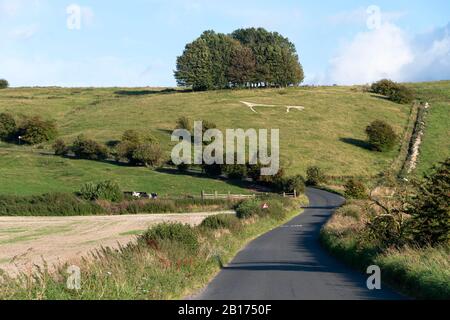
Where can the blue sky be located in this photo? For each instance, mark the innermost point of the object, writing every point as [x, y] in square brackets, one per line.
[135, 43]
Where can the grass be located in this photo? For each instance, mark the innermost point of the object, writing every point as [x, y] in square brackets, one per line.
[328, 133]
[422, 273]
[436, 143]
[140, 272]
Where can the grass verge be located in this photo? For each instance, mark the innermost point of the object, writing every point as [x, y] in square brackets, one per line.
[422, 273]
[148, 270]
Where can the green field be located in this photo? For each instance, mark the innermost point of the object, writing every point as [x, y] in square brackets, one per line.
[328, 133]
[436, 143]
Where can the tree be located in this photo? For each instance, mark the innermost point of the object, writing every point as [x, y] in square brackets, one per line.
[381, 135]
[35, 130]
[430, 208]
[242, 67]
[314, 176]
[355, 189]
[85, 148]
[3, 84]
[8, 126]
[148, 154]
[194, 67]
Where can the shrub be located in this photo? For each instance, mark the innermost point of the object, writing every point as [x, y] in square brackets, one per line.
[254, 172]
[184, 123]
[296, 183]
[212, 170]
[180, 234]
[275, 210]
[35, 130]
[50, 204]
[106, 190]
[355, 189]
[4, 84]
[221, 221]
[236, 171]
[401, 95]
[248, 208]
[394, 91]
[85, 148]
[315, 176]
[148, 154]
[430, 208]
[60, 147]
[384, 87]
[8, 126]
[352, 211]
[382, 136]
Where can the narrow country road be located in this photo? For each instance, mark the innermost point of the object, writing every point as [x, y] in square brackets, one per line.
[289, 263]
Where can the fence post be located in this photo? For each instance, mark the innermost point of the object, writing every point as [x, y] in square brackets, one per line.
[295, 193]
[229, 195]
[203, 195]
[284, 194]
[216, 194]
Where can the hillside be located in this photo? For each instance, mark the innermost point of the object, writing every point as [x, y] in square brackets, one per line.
[328, 133]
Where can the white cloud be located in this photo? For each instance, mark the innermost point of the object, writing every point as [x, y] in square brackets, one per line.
[360, 16]
[388, 52]
[371, 55]
[24, 32]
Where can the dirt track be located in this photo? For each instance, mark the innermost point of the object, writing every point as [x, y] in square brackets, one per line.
[25, 241]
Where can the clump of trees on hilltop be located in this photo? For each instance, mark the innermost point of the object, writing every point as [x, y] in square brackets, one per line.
[247, 58]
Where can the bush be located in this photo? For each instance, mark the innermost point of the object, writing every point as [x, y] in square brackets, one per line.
[236, 171]
[148, 154]
[184, 123]
[315, 176]
[384, 87]
[60, 147]
[275, 210]
[50, 204]
[355, 189]
[212, 170]
[430, 208]
[106, 190]
[248, 209]
[402, 95]
[35, 130]
[382, 136]
[296, 183]
[4, 84]
[139, 148]
[221, 221]
[180, 234]
[183, 167]
[8, 126]
[394, 91]
[85, 148]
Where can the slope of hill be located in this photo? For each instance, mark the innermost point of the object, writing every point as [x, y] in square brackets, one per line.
[329, 132]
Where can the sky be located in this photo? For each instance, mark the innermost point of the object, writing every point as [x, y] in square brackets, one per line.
[135, 43]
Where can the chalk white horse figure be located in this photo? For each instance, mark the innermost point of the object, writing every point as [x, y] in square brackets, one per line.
[253, 105]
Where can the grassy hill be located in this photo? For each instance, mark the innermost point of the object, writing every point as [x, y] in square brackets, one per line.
[328, 133]
[436, 142]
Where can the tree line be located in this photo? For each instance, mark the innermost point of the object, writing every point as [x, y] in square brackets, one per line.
[246, 58]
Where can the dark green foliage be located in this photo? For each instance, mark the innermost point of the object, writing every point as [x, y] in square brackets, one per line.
[315, 176]
[394, 91]
[194, 67]
[212, 170]
[148, 154]
[382, 136]
[85, 148]
[248, 209]
[106, 190]
[8, 127]
[183, 167]
[3, 84]
[247, 57]
[221, 221]
[51, 204]
[384, 87]
[35, 130]
[177, 233]
[430, 208]
[139, 148]
[236, 171]
[60, 147]
[355, 189]
[294, 183]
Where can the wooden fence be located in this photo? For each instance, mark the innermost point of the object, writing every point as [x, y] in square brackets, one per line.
[229, 195]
